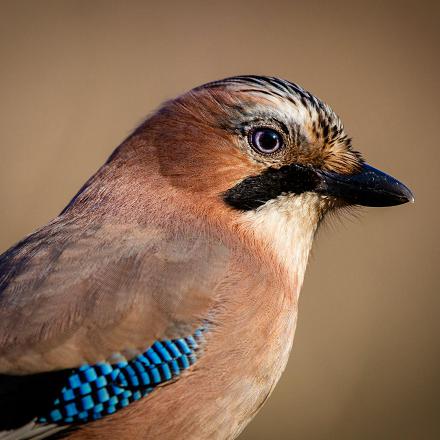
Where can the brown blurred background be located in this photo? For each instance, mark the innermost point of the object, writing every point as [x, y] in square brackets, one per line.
[77, 76]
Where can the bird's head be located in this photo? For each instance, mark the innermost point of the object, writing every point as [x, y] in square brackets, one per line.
[248, 141]
[260, 149]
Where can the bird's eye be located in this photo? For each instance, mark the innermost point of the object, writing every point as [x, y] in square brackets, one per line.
[265, 140]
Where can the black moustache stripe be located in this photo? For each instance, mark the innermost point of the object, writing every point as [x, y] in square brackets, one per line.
[255, 191]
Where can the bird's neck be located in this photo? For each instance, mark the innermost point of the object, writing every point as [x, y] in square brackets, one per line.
[254, 326]
[285, 228]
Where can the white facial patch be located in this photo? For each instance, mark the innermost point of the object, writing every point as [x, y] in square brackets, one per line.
[287, 226]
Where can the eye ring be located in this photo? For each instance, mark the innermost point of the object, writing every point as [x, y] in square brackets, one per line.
[265, 140]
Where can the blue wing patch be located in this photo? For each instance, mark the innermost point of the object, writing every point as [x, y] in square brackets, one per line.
[94, 391]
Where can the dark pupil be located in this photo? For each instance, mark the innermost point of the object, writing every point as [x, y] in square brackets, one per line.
[266, 140]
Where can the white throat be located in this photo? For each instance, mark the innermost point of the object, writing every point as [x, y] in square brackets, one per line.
[287, 226]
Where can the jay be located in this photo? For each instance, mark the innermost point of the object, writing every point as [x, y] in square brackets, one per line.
[162, 301]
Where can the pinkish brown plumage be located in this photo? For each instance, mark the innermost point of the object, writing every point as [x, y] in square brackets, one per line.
[202, 219]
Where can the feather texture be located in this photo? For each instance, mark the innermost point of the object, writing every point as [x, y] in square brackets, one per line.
[100, 291]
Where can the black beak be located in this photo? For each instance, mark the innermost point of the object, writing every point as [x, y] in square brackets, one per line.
[369, 187]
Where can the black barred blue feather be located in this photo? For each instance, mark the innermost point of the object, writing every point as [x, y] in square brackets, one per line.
[91, 392]
[94, 391]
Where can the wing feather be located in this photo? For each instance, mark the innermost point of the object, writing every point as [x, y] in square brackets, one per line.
[71, 295]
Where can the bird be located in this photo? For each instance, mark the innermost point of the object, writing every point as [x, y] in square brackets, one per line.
[162, 301]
